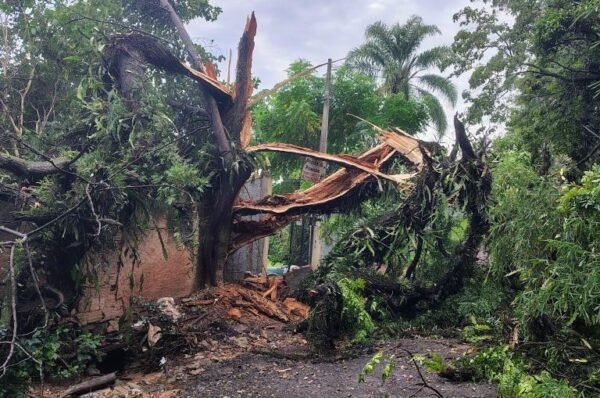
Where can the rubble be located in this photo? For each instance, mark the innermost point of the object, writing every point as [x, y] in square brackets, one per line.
[167, 307]
[213, 325]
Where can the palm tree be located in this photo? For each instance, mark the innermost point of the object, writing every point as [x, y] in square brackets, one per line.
[391, 55]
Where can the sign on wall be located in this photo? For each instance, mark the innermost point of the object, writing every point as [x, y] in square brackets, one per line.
[313, 169]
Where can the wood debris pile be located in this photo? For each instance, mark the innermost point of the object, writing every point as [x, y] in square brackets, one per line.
[256, 300]
[214, 325]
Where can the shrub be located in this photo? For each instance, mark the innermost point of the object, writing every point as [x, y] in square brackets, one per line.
[354, 315]
[55, 354]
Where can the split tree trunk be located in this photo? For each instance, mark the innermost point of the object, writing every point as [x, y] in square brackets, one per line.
[215, 213]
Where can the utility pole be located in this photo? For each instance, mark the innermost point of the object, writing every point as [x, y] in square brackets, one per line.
[315, 252]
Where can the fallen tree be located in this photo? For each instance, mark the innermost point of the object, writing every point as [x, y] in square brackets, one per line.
[111, 175]
[341, 190]
[438, 181]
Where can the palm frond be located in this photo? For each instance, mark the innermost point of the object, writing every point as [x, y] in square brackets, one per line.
[367, 59]
[379, 34]
[440, 84]
[432, 57]
[436, 112]
[415, 31]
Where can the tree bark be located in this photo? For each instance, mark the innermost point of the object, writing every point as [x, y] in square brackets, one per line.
[32, 170]
[214, 115]
[216, 211]
[410, 271]
[91, 385]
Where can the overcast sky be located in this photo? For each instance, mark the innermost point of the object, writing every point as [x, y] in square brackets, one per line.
[315, 29]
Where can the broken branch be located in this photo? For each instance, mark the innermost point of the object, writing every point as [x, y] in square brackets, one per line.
[343, 160]
[90, 385]
[33, 170]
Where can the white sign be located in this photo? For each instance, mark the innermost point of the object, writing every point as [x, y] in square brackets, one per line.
[313, 169]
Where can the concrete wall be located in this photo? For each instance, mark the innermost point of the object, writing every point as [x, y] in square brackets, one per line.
[253, 257]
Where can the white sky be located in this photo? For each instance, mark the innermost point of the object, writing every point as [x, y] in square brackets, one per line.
[316, 30]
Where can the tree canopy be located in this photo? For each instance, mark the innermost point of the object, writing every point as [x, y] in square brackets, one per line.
[538, 74]
[391, 54]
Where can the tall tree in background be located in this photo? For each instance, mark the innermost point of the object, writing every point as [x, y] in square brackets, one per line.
[534, 65]
[391, 53]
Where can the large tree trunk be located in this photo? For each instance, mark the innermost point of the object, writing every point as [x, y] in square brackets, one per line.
[215, 228]
[215, 215]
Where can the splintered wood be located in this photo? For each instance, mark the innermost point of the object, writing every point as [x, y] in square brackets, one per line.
[333, 192]
[254, 301]
[347, 161]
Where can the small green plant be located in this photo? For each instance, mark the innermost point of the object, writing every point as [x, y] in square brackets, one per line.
[354, 315]
[55, 354]
[477, 332]
[514, 381]
[373, 364]
[485, 365]
[498, 364]
[434, 364]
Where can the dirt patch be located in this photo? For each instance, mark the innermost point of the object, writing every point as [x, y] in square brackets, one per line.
[234, 341]
[256, 375]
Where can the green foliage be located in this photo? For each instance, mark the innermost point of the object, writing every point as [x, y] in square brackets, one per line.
[179, 182]
[391, 55]
[354, 315]
[556, 262]
[373, 364]
[398, 111]
[279, 247]
[521, 200]
[434, 363]
[477, 332]
[370, 366]
[476, 311]
[513, 382]
[499, 365]
[533, 65]
[489, 363]
[56, 354]
[543, 245]
[133, 161]
[130, 159]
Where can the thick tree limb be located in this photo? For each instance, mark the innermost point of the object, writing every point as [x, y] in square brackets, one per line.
[343, 160]
[340, 185]
[334, 193]
[322, 196]
[33, 170]
[248, 231]
[462, 140]
[183, 34]
[91, 385]
[145, 49]
[410, 271]
[214, 115]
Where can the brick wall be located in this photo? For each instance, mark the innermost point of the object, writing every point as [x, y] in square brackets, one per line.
[153, 277]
